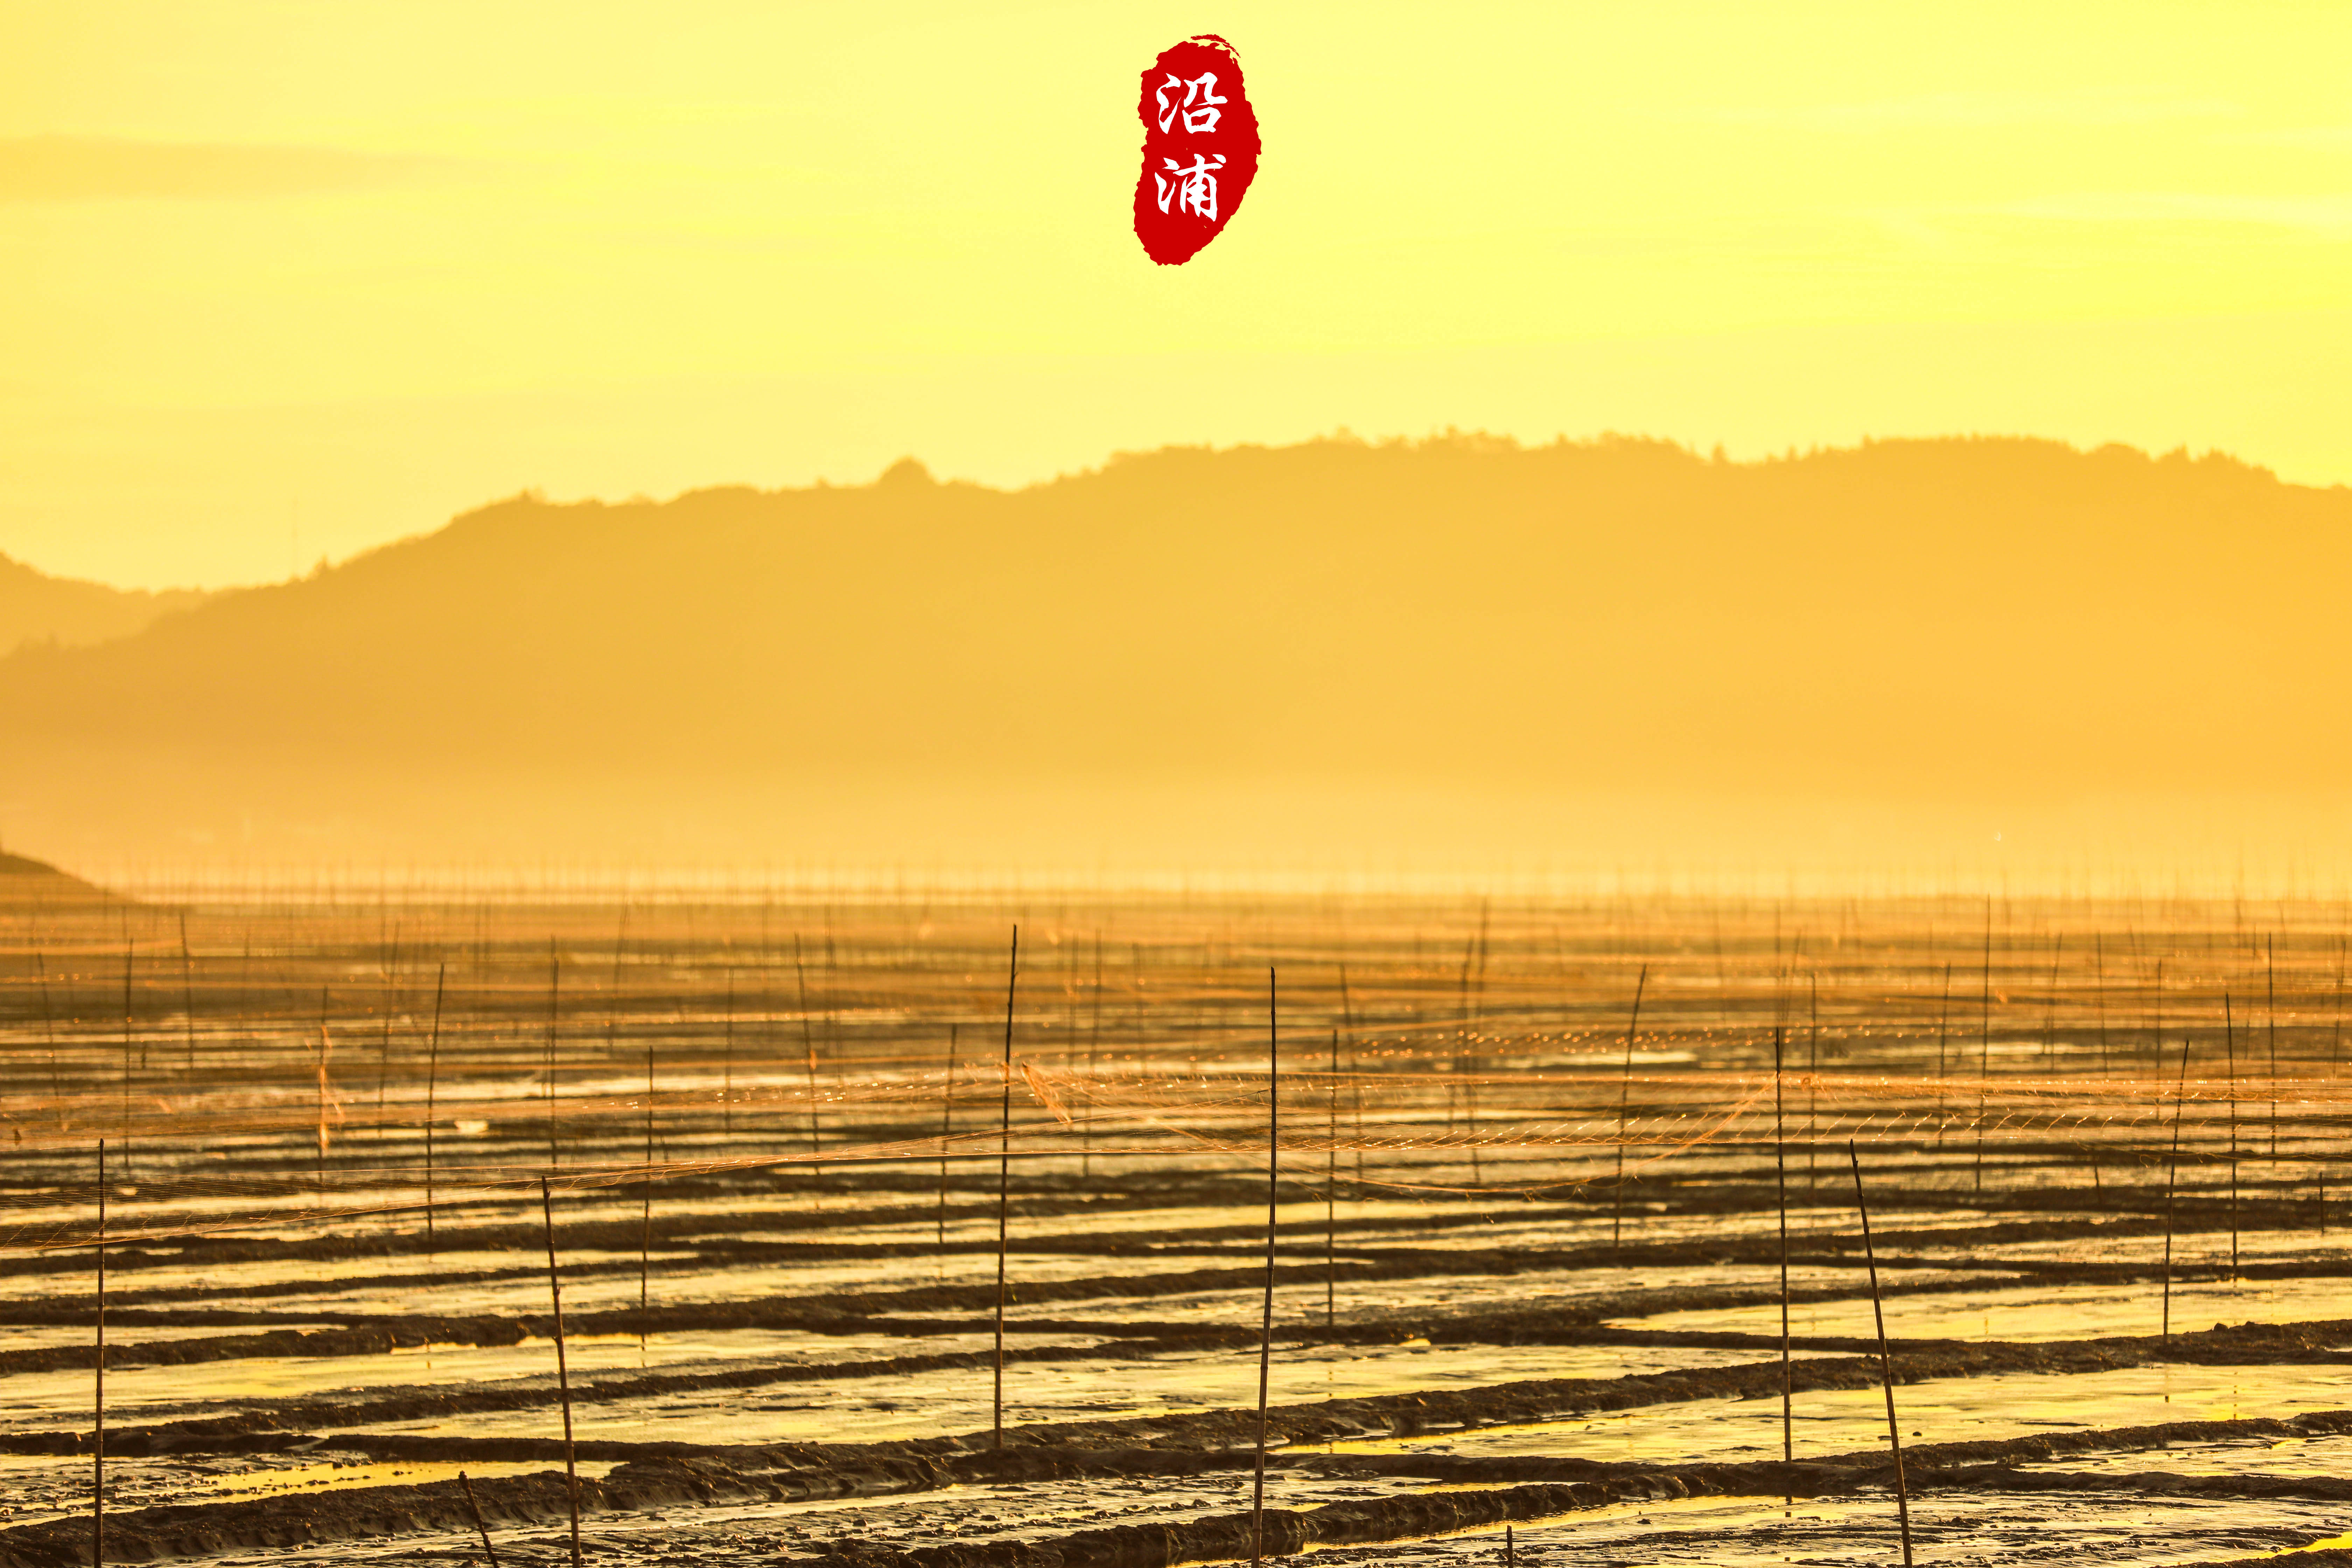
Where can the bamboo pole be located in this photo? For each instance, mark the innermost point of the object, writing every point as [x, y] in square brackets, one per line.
[127, 1031]
[554, 995]
[2269, 1029]
[947, 1132]
[388, 961]
[2335, 1057]
[2172, 1173]
[1355, 1079]
[1943, 1023]
[1273, 1186]
[431, 1086]
[188, 995]
[2049, 1006]
[2229, 1070]
[1812, 1083]
[322, 1100]
[646, 1210]
[1885, 1360]
[49, 1030]
[1331, 1192]
[1094, 1056]
[2099, 998]
[1624, 1095]
[98, 1400]
[808, 1044]
[1004, 1175]
[1471, 1038]
[562, 1372]
[1781, 1172]
[475, 1508]
[1984, 1042]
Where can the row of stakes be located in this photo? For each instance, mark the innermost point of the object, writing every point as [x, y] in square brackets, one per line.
[1266, 1341]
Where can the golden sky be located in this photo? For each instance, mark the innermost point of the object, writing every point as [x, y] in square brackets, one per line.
[280, 280]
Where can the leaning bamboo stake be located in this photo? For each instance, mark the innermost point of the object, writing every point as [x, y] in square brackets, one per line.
[476, 1509]
[1780, 1174]
[325, 1102]
[646, 1210]
[127, 1030]
[2172, 1171]
[431, 1086]
[2335, 1056]
[2230, 1071]
[1812, 1083]
[727, 1065]
[1984, 1043]
[1471, 1039]
[1273, 1185]
[1943, 1023]
[1093, 1062]
[946, 1133]
[1355, 1078]
[2099, 998]
[562, 1372]
[188, 995]
[1885, 1360]
[1004, 1175]
[2270, 1030]
[49, 1030]
[2049, 1006]
[478, 1527]
[2335, 1039]
[1453, 1072]
[554, 995]
[808, 1043]
[1624, 1096]
[98, 1428]
[390, 961]
[1331, 1192]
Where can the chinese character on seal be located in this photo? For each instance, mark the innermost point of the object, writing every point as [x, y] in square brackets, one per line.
[1200, 148]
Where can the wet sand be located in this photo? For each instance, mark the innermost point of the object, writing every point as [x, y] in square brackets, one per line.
[779, 1267]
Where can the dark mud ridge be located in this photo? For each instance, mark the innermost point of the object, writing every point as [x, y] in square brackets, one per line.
[293, 1423]
[2120, 1212]
[1515, 1490]
[1581, 1321]
[652, 1476]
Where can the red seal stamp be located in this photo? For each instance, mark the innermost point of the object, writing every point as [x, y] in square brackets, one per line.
[1200, 148]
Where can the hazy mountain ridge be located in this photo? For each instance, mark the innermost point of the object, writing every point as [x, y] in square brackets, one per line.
[25, 882]
[36, 607]
[1905, 617]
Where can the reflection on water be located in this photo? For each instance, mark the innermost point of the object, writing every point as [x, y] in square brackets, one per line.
[1940, 1410]
[2035, 1312]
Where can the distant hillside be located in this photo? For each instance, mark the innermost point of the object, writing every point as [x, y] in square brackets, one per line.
[1908, 619]
[27, 881]
[39, 608]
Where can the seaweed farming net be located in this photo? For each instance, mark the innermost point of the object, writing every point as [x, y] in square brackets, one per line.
[308, 1068]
